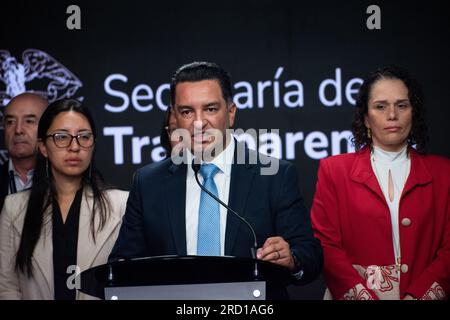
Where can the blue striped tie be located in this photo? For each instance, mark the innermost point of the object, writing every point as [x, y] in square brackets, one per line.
[208, 241]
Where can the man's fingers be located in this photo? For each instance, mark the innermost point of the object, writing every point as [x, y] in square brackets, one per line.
[272, 240]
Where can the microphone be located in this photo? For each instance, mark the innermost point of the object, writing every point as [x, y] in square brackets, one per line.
[196, 168]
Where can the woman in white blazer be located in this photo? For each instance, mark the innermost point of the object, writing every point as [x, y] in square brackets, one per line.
[68, 222]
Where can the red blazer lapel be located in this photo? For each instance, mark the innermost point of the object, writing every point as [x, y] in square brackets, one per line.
[418, 175]
[362, 172]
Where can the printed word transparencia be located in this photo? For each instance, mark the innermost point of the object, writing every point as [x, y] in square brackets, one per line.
[290, 145]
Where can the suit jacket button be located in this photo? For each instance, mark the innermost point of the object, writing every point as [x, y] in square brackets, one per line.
[406, 222]
[404, 268]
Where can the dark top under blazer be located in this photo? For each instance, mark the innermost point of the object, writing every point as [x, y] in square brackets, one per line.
[65, 246]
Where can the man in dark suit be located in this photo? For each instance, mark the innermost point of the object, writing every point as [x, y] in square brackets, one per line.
[166, 209]
[21, 118]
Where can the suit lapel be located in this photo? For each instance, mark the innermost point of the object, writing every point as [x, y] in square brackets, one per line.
[242, 176]
[418, 174]
[88, 249]
[43, 252]
[362, 172]
[176, 185]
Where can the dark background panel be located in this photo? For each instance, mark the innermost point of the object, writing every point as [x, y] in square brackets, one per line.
[146, 41]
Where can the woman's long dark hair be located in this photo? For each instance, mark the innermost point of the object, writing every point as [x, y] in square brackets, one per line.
[419, 132]
[43, 191]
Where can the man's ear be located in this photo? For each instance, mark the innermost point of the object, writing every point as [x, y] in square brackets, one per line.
[42, 148]
[231, 114]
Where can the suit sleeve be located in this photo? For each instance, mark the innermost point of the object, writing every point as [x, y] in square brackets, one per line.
[131, 240]
[342, 279]
[434, 282]
[294, 225]
[9, 280]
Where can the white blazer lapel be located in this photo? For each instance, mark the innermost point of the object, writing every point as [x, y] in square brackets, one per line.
[43, 252]
[87, 249]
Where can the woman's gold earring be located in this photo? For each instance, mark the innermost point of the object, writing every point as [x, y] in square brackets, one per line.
[369, 133]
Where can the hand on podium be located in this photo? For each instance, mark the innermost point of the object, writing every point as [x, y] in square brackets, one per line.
[277, 250]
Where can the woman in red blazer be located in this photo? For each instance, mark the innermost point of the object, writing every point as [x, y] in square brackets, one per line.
[383, 213]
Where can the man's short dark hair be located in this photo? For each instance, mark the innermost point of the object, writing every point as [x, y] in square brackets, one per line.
[198, 71]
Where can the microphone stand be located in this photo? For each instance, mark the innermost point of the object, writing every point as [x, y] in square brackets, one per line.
[196, 168]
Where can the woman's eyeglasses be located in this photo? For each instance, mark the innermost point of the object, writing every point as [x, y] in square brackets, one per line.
[63, 140]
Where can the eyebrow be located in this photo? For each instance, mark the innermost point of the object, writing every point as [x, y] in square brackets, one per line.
[182, 106]
[396, 101]
[26, 116]
[211, 104]
[402, 100]
[67, 131]
[208, 104]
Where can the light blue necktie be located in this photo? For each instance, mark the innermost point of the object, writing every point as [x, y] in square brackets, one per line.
[208, 238]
